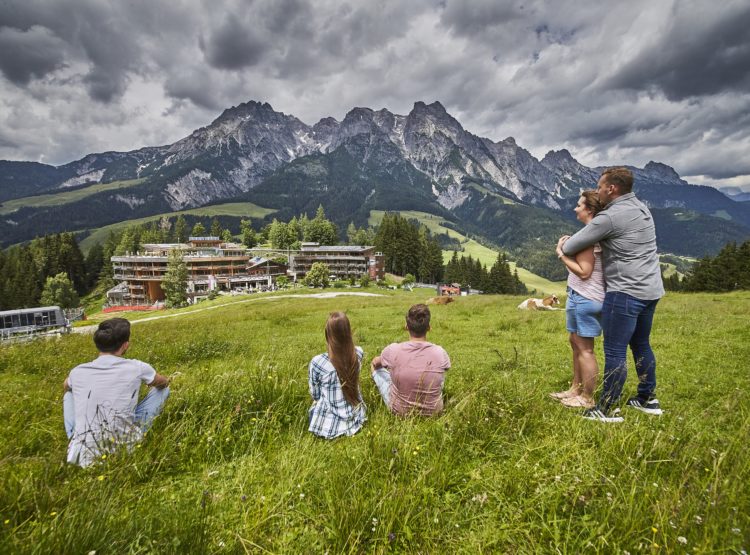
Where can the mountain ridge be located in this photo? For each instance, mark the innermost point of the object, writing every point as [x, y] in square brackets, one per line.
[423, 159]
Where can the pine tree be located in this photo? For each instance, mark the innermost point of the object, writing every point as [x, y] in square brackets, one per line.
[175, 280]
[216, 229]
[180, 229]
[94, 264]
[248, 234]
[199, 230]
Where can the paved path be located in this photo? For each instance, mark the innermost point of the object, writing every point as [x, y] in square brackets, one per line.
[327, 295]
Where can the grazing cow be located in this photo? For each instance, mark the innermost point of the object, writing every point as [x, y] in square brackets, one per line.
[547, 303]
[440, 300]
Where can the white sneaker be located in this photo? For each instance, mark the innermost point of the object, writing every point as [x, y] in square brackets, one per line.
[597, 414]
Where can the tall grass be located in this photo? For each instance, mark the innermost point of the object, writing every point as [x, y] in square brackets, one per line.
[229, 466]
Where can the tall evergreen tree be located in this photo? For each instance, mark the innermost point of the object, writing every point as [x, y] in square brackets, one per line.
[175, 280]
[248, 234]
[180, 229]
[199, 230]
[216, 229]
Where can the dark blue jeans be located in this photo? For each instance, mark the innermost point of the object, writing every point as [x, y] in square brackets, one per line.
[627, 321]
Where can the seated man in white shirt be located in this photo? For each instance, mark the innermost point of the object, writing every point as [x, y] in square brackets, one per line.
[100, 406]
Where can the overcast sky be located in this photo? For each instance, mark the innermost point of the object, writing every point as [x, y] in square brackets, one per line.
[613, 82]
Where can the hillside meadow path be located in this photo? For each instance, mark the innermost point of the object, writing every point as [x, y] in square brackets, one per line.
[327, 295]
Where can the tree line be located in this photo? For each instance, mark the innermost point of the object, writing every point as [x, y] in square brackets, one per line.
[46, 269]
[408, 247]
[497, 280]
[727, 271]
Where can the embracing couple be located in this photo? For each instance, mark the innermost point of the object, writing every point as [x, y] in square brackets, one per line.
[617, 248]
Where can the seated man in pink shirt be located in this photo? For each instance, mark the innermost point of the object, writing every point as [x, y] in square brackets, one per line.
[410, 375]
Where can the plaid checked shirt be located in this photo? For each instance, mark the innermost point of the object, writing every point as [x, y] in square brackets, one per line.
[331, 415]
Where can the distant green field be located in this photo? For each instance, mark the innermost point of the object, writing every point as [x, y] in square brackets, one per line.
[471, 247]
[237, 209]
[65, 197]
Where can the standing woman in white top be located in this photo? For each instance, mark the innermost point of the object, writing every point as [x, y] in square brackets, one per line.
[583, 309]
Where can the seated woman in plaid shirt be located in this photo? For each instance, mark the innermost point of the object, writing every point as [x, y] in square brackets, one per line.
[333, 377]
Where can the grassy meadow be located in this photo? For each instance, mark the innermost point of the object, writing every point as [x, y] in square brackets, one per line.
[65, 197]
[230, 468]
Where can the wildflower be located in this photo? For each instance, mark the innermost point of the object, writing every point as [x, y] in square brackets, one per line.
[301, 495]
[53, 513]
[7, 521]
[104, 457]
[414, 453]
[100, 477]
[682, 540]
[698, 519]
[262, 497]
[481, 499]
[736, 530]
[391, 536]
[654, 529]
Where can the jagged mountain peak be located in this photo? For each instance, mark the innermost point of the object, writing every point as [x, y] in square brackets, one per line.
[249, 107]
[662, 170]
[434, 107]
[554, 157]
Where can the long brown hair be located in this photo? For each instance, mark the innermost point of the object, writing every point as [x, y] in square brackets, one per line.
[591, 201]
[343, 356]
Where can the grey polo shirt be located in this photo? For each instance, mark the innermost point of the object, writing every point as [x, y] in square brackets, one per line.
[625, 230]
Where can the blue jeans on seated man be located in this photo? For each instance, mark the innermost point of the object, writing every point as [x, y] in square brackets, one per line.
[145, 412]
[382, 379]
[627, 321]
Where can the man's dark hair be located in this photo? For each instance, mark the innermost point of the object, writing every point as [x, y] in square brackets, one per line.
[418, 320]
[619, 176]
[112, 334]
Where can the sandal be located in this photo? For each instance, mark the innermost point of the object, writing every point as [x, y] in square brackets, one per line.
[577, 402]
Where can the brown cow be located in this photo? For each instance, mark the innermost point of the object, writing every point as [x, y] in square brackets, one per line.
[547, 303]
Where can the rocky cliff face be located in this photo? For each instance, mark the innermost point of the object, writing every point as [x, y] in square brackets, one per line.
[248, 143]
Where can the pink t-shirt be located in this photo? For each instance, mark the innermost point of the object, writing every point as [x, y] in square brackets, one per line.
[417, 373]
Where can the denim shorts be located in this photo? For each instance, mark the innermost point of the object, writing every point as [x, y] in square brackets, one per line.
[582, 315]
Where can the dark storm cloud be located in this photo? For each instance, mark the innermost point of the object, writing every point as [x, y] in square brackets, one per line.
[614, 82]
[469, 18]
[234, 46]
[29, 53]
[700, 54]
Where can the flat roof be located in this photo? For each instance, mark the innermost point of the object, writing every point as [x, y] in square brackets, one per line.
[335, 248]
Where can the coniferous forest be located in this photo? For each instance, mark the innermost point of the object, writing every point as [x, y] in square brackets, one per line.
[727, 271]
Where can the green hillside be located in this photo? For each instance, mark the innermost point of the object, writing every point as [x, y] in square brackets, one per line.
[230, 468]
[237, 209]
[65, 197]
[472, 248]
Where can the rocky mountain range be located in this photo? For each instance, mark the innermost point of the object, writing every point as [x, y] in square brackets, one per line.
[424, 160]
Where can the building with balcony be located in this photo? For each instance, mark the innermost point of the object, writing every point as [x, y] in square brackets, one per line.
[343, 261]
[211, 263]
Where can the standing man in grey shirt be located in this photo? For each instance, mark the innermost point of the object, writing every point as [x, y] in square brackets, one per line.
[625, 230]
